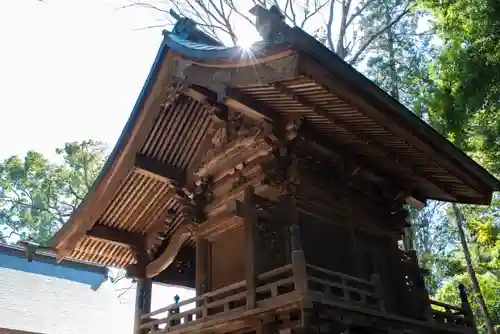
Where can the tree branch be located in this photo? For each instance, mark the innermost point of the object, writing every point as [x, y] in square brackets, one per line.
[144, 5]
[314, 12]
[329, 26]
[374, 36]
[358, 12]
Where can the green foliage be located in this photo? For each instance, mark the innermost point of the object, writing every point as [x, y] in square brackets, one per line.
[465, 104]
[462, 101]
[399, 56]
[490, 286]
[37, 196]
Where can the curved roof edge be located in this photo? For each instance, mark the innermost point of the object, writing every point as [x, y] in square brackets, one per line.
[68, 228]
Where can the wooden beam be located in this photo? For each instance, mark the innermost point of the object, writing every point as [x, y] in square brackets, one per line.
[159, 170]
[237, 208]
[116, 236]
[210, 100]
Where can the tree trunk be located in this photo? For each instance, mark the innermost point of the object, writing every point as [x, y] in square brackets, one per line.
[394, 86]
[459, 219]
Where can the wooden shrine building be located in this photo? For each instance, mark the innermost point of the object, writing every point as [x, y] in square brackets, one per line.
[274, 180]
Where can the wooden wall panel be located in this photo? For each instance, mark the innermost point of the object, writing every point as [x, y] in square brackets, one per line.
[325, 245]
[227, 258]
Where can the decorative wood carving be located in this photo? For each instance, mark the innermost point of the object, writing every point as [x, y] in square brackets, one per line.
[240, 135]
[238, 128]
[202, 195]
[282, 171]
[182, 233]
[175, 88]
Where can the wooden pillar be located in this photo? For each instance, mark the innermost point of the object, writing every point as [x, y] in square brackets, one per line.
[142, 302]
[379, 290]
[299, 267]
[469, 316]
[143, 290]
[424, 302]
[202, 273]
[298, 257]
[250, 230]
[201, 265]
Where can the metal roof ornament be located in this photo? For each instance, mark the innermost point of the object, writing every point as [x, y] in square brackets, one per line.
[185, 28]
[270, 23]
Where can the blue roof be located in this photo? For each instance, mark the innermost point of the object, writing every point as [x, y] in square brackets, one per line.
[13, 257]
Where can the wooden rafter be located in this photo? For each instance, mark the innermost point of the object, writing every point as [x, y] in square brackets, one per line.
[218, 114]
[373, 107]
[159, 170]
[364, 138]
[116, 236]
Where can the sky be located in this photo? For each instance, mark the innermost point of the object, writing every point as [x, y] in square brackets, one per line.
[70, 70]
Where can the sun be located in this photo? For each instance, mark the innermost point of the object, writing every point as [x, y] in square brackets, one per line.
[246, 36]
[245, 43]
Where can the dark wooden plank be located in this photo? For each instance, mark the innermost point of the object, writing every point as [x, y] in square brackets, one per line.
[117, 236]
[159, 170]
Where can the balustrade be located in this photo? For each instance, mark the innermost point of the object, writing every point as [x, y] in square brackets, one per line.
[285, 284]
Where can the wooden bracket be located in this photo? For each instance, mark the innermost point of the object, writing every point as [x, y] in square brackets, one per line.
[116, 236]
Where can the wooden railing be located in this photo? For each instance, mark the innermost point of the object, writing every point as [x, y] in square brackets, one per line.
[344, 288]
[222, 301]
[328, 285]
[448, 314]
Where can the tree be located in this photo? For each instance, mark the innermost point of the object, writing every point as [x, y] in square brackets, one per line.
[459, 219]
[402, 53]
[37, 196]
[464, 105]
[334, 23]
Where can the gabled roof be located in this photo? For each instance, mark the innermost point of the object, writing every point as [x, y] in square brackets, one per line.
[171, 128]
